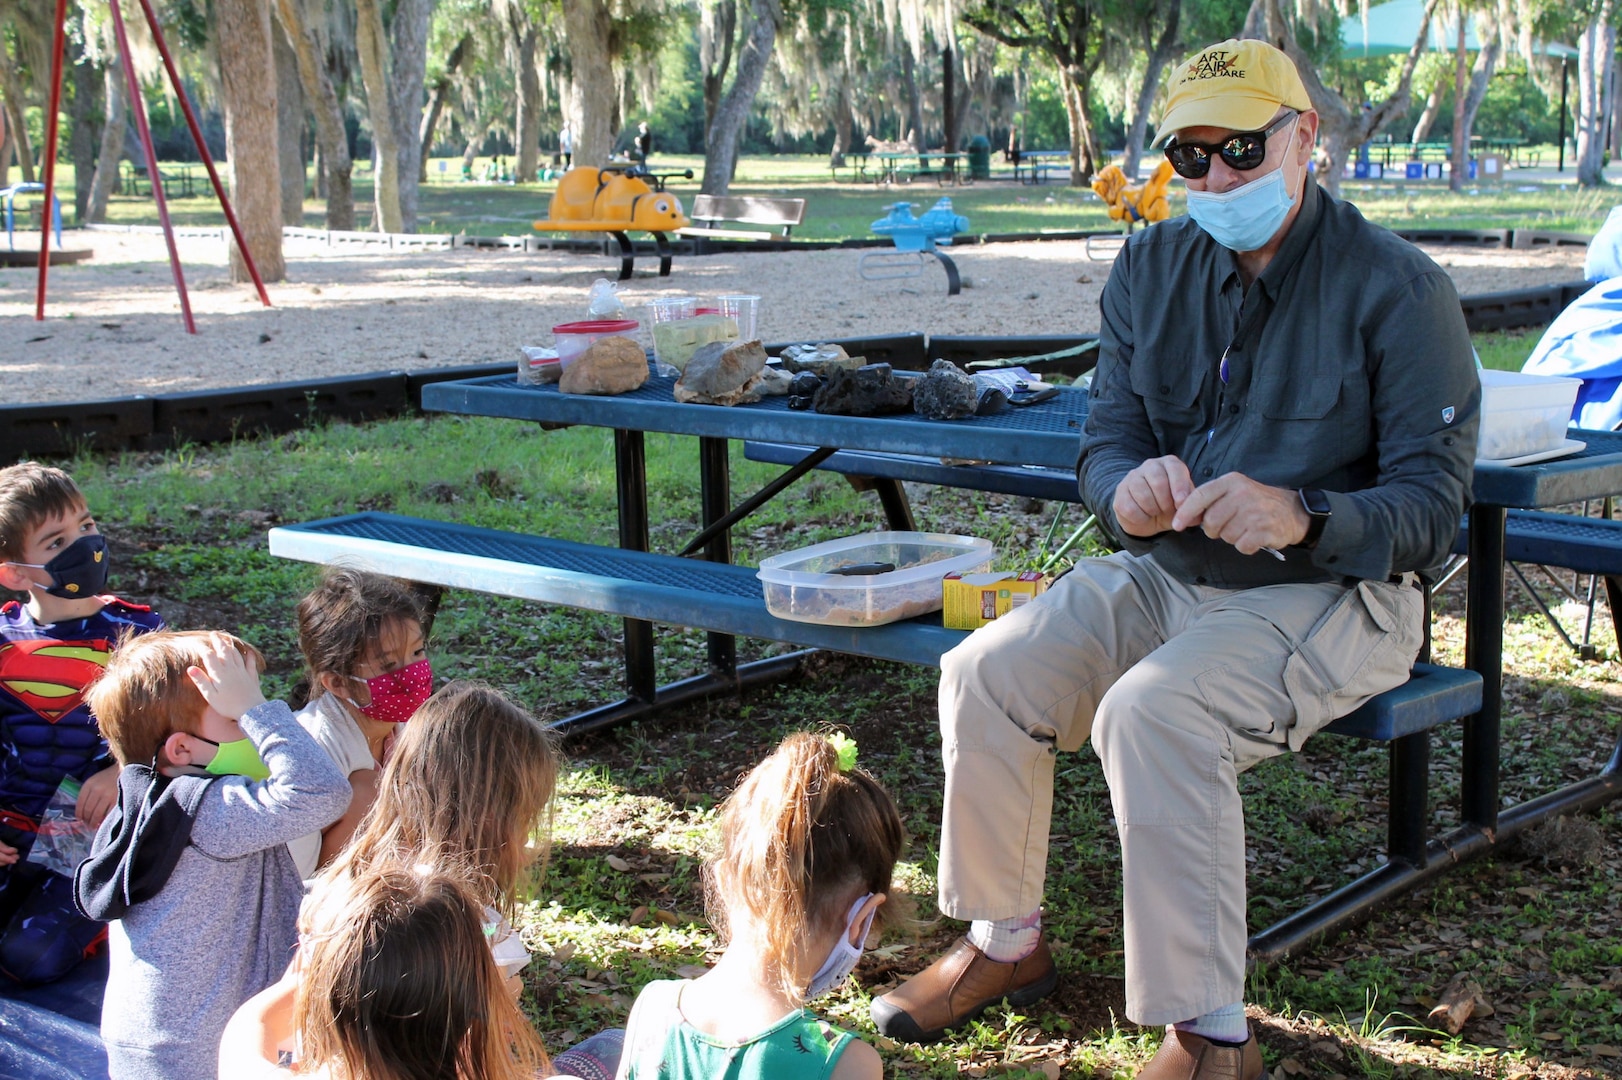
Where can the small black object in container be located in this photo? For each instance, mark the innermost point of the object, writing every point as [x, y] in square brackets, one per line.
[867, 569]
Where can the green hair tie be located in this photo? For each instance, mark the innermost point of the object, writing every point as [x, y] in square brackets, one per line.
[845, 747]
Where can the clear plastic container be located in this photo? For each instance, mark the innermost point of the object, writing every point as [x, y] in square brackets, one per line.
[1523, 414]
[744, 309]
[802, 585]
[576, 337]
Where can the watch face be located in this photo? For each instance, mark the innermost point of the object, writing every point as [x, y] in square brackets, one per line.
[1315, 502]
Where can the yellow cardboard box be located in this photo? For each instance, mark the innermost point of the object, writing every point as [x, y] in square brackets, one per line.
[972, 600]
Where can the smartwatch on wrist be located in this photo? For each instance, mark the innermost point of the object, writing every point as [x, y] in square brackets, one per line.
[1316, 504]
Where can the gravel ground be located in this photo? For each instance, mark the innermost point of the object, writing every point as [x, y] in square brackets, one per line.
[113, 324]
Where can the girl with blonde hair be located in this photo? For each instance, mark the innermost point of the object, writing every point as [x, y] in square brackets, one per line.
[809, 843]
[393, 981]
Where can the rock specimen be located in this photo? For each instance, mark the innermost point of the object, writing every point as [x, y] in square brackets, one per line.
[872, 390]
[774, 381]
[946, 393]
[613, 365]
[722, 373]
[675, 342]
[818, 359]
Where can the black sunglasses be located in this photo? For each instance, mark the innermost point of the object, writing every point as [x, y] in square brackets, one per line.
[1242, 150]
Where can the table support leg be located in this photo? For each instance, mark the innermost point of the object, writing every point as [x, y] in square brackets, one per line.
[1484, 654]
[630, 477]
[715, 495]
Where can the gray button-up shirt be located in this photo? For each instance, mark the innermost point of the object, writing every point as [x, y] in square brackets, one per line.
[1348, 368]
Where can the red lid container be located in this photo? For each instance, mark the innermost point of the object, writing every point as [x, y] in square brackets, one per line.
[596, 326]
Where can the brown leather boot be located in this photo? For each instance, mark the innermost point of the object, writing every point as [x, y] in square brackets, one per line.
[960, 986]
[1192, 1057]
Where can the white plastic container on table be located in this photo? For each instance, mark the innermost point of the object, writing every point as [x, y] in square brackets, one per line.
[801, 585]
[576, 337]
[1523, 414]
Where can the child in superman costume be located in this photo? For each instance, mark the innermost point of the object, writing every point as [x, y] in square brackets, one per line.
[51, 649]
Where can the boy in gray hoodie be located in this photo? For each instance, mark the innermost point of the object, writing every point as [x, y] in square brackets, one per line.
[192, 869]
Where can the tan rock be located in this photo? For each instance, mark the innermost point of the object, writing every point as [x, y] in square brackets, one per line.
[613, 365]
[722, 373]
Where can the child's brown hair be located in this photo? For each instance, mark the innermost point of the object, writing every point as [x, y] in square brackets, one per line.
[799, 838]
[30, 493]
[344, 616]
[468, 772]
[145, 695]
[397, 983]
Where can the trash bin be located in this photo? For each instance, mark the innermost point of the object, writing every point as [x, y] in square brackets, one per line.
[980, 158]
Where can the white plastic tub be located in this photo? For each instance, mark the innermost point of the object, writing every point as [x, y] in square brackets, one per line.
[1523, 414]
[801, 585]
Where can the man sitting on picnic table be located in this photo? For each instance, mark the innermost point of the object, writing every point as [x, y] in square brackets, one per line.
[1281, 453]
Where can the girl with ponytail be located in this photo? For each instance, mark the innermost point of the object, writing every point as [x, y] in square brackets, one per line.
[808, 846]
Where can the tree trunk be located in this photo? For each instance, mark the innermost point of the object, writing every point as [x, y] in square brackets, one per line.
[1084, 154]
[1461, 138]
[1159, 56]
[289, 127]
[1340, 127]
[844, 123]
[1594, 48]
[529, 107]
[408, 54]
[721, 153]
[248, 90]
[335, 167]
[948, 102]
[436, 104]
[1480, 77]
[1433, 109]
[82, 143]
[718, 33]
[915, 106]
[6, 152]
[371, 45]
[112, 141]
[588, 29]
[19, 132]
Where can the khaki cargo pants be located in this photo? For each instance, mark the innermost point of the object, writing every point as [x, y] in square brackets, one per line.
[1181, 687]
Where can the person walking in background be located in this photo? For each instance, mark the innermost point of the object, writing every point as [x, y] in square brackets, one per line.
[644, 142]
[566, 144]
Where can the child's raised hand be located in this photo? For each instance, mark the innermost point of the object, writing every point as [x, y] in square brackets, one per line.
[227, 679]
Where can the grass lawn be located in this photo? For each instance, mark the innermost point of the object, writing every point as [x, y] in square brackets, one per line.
[1539, 926]
[840, 210]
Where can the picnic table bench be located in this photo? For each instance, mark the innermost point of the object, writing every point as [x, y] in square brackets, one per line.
[727, 600]
[1037, 164]
[133, 173]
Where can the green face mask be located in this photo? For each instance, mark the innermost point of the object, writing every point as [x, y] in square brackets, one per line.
[238, 758]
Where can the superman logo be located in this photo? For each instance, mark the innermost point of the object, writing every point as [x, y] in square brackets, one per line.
[50, 676]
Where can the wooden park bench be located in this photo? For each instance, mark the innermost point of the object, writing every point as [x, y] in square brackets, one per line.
[712, 211]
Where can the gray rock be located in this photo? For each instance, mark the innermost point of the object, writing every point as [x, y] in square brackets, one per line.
[613, 365]
[946, 393]
[818, 359]
[774, 381]
[872, 390]
[723, 373]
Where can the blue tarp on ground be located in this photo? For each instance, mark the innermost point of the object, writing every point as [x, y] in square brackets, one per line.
[53, 1032]
[1585, 340]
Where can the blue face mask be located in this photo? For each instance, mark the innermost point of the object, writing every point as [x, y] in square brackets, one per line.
[1245, 218]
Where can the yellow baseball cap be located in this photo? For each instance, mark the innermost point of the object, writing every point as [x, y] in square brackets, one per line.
[1238, 85]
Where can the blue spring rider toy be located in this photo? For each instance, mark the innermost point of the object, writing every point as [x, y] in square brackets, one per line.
[915, 238]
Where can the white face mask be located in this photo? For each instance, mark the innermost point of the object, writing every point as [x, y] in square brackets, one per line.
[844, 957]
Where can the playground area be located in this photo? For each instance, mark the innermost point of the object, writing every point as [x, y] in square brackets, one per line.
[113, 325]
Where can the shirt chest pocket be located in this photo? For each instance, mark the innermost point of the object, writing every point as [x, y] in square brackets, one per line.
[1169, 397]
[1301, 395]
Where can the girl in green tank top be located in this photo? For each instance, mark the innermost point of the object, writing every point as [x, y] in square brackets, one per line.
[808, 846]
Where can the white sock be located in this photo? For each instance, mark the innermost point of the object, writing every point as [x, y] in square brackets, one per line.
[1007, 940]
[1226, 1025]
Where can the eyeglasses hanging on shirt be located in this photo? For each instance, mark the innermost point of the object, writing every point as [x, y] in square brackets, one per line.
[1223, 371]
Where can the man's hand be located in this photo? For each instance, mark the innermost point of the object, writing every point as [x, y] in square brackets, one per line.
[227, 679]
[97, 795]
[1147, 497]
[1249, 515]
[8, 854]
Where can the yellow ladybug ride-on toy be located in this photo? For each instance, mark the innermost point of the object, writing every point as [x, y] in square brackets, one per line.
[615, 201]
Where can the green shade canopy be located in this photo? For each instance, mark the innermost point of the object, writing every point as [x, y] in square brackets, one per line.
[1391, 28]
